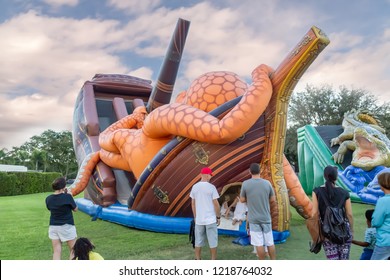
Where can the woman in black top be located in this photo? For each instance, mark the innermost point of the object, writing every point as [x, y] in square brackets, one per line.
[335, 195]
[61, 228]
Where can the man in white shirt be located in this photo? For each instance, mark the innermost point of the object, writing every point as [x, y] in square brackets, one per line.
[206, 211]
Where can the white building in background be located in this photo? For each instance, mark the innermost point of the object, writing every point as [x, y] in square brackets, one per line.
[12, 168]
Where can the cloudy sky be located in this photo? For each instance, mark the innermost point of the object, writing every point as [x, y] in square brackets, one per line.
[49, 48]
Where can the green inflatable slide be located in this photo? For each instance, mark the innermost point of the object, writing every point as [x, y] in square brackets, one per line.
[315, 153]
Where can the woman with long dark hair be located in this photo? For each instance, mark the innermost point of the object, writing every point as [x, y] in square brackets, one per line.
[335, 196]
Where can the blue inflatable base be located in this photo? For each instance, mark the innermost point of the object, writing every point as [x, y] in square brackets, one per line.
[120, 214]
[279, 237]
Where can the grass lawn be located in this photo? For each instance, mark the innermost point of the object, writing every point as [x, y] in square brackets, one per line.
[24, 224]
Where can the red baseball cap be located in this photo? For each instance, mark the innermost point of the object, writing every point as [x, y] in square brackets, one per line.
[206, 171]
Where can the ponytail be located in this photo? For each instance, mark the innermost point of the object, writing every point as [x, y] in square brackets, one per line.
[330, 175]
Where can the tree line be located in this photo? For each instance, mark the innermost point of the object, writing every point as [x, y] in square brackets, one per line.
[53, 151]
[48, 152]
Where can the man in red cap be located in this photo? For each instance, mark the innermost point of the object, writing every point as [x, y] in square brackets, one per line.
[205, 208]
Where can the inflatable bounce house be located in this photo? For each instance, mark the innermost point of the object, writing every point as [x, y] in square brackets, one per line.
[359, 148]
[139, 152]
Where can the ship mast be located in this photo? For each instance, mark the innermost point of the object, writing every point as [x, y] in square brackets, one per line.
[162, 91]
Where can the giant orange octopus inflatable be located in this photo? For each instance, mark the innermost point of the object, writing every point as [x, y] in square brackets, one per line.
[149, 159]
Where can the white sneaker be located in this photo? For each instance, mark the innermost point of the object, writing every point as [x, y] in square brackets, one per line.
[254, 250]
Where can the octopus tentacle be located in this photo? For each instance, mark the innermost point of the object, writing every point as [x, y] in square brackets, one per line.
[187, 121]
[112, 138]
[114, 160]
[85, 171]
[296, 194]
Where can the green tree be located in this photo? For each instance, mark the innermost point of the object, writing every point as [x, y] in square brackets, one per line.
[50, 151]
[325, 106]
[39, 157]
[6, 157]
[22, 157]
[57, 152]
[3, 155]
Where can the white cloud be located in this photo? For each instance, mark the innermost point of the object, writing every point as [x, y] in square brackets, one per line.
[217, 40]
[386, 34]
[59, 3]
[343, 41]
[364, 67]
[134, 7]
[31, 115]
[142, 72]
[50, 58]
[47, 53]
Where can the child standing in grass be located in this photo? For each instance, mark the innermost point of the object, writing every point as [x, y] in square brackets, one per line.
[369, 238]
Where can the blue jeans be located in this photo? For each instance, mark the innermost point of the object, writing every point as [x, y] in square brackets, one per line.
[366, 255]
[381, 253]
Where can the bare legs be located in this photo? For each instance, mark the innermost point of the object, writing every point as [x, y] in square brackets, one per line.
[70, 246]
[213, 253]
[57, 248]
[197, 252]
[261, 252]
[272, 252]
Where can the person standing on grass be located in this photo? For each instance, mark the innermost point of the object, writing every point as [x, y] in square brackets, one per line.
[259, 194]
[381, 220]
[336, 197]
[61, 226]
[206, 211]
[369, 238]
